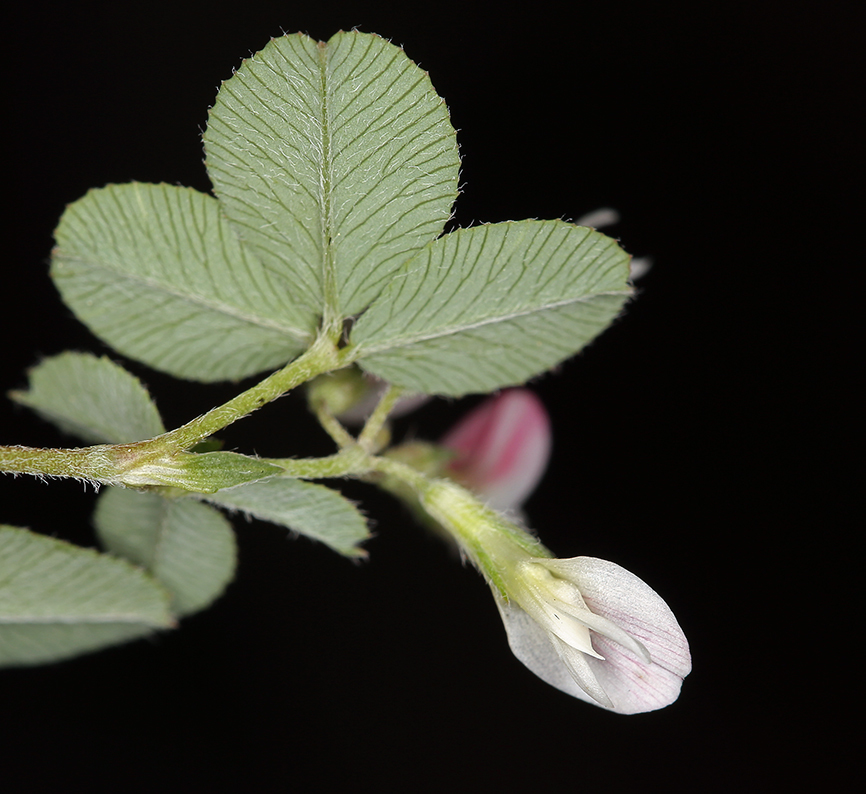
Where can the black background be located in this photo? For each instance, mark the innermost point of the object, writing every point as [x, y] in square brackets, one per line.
[699, 442]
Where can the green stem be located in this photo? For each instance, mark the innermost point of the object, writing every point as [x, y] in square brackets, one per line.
[490, 540]
[109, 463]
[332, 426]
[349, 462]
[368, 439]
[402, 472]
[322, 357]
[95, 464]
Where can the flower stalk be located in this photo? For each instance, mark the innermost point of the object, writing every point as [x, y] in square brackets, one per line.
[585, 626]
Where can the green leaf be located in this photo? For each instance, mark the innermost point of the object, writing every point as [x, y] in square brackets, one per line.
[58, 600]
[493, 306]
[309, 509]
[336, 162]
[189, 547]
[203, 473]
[157, 272]
[92, 398]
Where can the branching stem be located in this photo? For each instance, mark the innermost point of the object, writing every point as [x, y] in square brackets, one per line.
[109, 463]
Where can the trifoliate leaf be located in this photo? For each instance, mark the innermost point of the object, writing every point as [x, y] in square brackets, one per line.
[309, 509]
[187, 546]
[493, 306]
[335, 161]
[58, 600]
[92, 398]
[156, 272]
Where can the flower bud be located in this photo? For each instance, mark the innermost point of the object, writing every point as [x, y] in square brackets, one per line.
[585, 626]
[502, 448]
[351, 395]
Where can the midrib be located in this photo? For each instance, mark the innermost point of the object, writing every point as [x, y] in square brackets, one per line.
[330, 313]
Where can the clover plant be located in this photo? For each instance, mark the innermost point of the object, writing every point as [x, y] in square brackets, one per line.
[321, 261]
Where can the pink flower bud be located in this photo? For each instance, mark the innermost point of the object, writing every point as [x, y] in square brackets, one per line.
[502, 448]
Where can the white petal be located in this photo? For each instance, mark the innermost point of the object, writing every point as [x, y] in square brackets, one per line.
[607, 628]
[582, 672]
[639, 267]
[532, 646]
[561, 624]
[557, 605]
[605, 216]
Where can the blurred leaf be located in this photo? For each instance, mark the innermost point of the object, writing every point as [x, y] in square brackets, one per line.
[92, 398]
[493, 306]
[335, 161]
[58, 600]
[313, 510]
[189, 547]
[156, 272]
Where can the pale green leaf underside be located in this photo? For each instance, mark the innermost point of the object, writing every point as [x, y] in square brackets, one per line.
[307, 508]
[335, 161]
[58, 600]
[189, 547]
[492, 306]
[92, 398]
[157, 272]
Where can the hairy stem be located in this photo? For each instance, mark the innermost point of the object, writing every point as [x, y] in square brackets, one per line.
[322, 357]
[369, 437]
[110, 463]
[349, 462]
[95, 464]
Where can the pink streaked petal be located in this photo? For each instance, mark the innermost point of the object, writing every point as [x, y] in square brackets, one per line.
[503, 447]
[618, 595]
[632, 685]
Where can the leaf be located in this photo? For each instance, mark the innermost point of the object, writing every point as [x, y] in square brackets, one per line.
[92, 398]
[58, 600]
[189, 547]
[493, 306]
[313, 510]
[336, 162]
[156, 272]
